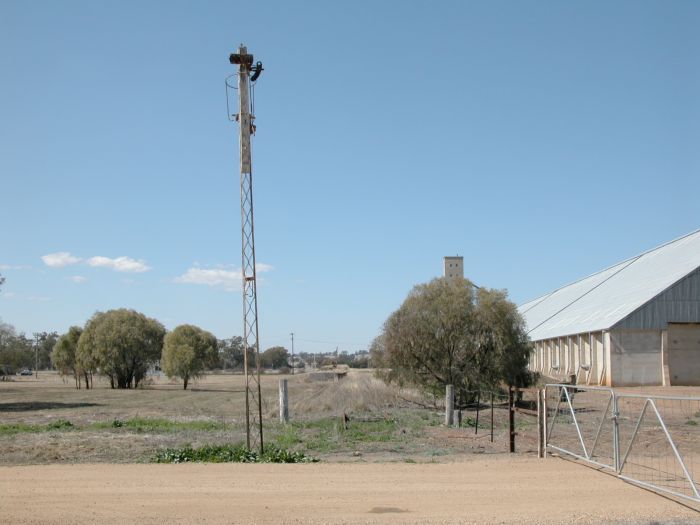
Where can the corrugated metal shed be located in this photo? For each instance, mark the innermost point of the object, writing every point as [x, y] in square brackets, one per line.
[604, 299]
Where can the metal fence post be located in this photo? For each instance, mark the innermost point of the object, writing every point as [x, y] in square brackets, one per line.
[491, 417]
[478, 402]
[511, 418]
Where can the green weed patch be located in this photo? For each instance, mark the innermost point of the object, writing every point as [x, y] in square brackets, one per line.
[141, 424]
[10, 429]
[229, 454]
[331, 434]
[138, 424]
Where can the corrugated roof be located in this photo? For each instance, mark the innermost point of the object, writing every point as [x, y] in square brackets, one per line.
[603, 299]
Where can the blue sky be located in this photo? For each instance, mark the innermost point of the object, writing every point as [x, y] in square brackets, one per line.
[542, 141]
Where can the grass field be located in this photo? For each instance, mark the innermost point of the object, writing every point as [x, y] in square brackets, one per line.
[48, 420]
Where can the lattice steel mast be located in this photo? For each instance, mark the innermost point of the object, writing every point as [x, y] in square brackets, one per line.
[245, 117]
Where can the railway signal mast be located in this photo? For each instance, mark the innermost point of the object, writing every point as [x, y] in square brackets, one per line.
[251, 347]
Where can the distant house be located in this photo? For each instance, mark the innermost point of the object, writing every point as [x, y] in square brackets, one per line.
[635, 323]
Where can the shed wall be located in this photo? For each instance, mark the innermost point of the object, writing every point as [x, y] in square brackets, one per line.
[583, 355]
[635, 357]
[678, 304]
[684, 354]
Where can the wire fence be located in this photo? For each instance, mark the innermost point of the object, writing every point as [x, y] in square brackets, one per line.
[526, 420]
[660, 442]
[653, 441]
[578, 423]
[489, 416]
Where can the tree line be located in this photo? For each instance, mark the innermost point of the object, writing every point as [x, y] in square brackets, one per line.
[446, 332]
[19, 351]
[124, 345]
[358, 359]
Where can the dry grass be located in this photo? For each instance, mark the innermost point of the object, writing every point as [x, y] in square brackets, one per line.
[130, 425]
[359, 392]
[386, 423]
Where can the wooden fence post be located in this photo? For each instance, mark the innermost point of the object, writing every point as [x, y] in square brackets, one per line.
[284, 402]
[540, 421]
[544, 422]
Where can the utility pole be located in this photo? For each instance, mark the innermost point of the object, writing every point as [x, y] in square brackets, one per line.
[37, 338]
[36, 355]
[292, 334]
[245, 118]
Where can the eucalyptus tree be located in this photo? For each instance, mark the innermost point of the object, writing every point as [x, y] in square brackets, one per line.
[122, 344]
[231, 352]
[275, 357]
[187, 352]
[451, 332]
[63, 356]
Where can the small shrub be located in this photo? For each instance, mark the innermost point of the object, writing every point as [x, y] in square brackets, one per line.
[469, 422]
[59, 424]
[229, 454]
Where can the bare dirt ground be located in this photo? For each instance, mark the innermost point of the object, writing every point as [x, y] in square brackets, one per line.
[484, 491]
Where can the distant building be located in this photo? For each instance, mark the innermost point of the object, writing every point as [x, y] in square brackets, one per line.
[635, 323]
[454, 267]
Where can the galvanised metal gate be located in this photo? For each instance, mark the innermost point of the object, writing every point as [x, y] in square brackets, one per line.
[652, 441]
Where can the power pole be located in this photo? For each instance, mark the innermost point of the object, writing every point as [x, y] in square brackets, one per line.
[245, 117]
[292, 334]
[36, 355]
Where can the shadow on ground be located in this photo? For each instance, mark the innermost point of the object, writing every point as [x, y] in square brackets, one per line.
[41, 405]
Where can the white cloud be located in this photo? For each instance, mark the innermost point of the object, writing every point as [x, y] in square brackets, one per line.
[120, 264]
[15, 267]
[229, 280]
[60, 259]
[39, 298]
[77, 279]
[36, 298]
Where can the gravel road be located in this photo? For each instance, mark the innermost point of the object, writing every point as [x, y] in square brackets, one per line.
[486, 491]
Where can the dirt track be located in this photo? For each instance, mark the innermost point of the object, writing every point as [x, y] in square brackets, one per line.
[489, 490]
